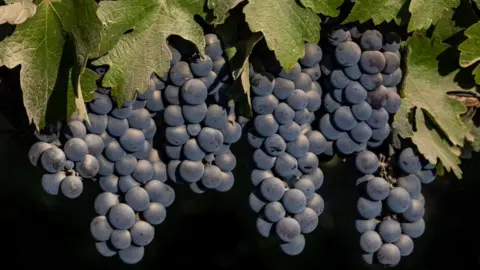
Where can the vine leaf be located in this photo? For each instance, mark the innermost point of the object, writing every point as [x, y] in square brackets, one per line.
[470, 49]
[445, 27]
[221, 7]
[38, 45]
[145, 50]
[425, 91]
[428, 12]
[378, 10]
[17, 12]
[285, 26]
[325, 7]
[432, 146]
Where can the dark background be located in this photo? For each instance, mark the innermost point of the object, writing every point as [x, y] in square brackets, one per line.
[214, 230]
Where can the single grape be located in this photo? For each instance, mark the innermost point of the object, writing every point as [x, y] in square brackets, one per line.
[191, 171]
[274, 211]
[370, 241]
[313, 55]
[126, 165]
[405, 245]
[104, 201]
[368, 209]
[142, 233]
[226, 182]
[120, 239]
[109, 183]
[216, 117]
[344, 119]
[75, 149]
[316, 203]
[426, 176]
[371, 40]
[353, 72]
[313, 72]
[372, 62]
[96, 123]
[287, 229]
[390, 230]
[272, 189]
[355, 93]
[51, 182]
[262, 84]
[283, 88]
[265, 125]
[295, 246]
[378, 119]
[398, 200]
[180, 73]
[94, 144]
[389, 254]
[307, 219]
[414, 229]
[289, 132]
[377, 189]
[264, 104]
[100, 228]
[299, 147]
[264, 227]
[52, 159]
[345, 144]
[292, 74]
[338, 79]
[348, 53]
[330, 104]
[327, 129]
[177, 135]
[286, 166]
[122, 112]
[155, 213]
[121, 216]
[364, 225]
[361, 133]
[294, 201]
[303, 82]
[160, 192]
[104, 249]
[194, 92]
[408, 161]
[209, 139]
[132, 140]
[284, 114]
[316, 141]
[132, 254]
[371, 81]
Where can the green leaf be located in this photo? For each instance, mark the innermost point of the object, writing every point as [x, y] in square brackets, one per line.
[17, 12]
[378, 10]
[326, 7]
[425, 90]
[470, 48]
[475, 131]
[478, 3]
[221, 7]
[433, 147]
[428, 12]
[445, 27]
[240, 70]
[39, 44]
[145, 50]
[285, 25]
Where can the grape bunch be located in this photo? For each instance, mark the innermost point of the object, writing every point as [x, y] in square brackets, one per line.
[132, 177]
[200, 125]
[286, 174]
[390, 209]
[362, 73]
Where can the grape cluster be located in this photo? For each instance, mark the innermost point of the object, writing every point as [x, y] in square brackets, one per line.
[132, 177]
[286, 174]
[113, 147]
[390, 209]
[362, 73]
[200, 126]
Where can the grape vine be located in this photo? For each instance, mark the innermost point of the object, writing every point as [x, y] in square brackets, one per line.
[127, 103]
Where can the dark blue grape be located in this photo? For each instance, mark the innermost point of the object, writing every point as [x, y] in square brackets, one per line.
[313, 55]
[348, 53]
[371, 40]
[264, 104]
[180, 73]
[371, 81]
[283, 88]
